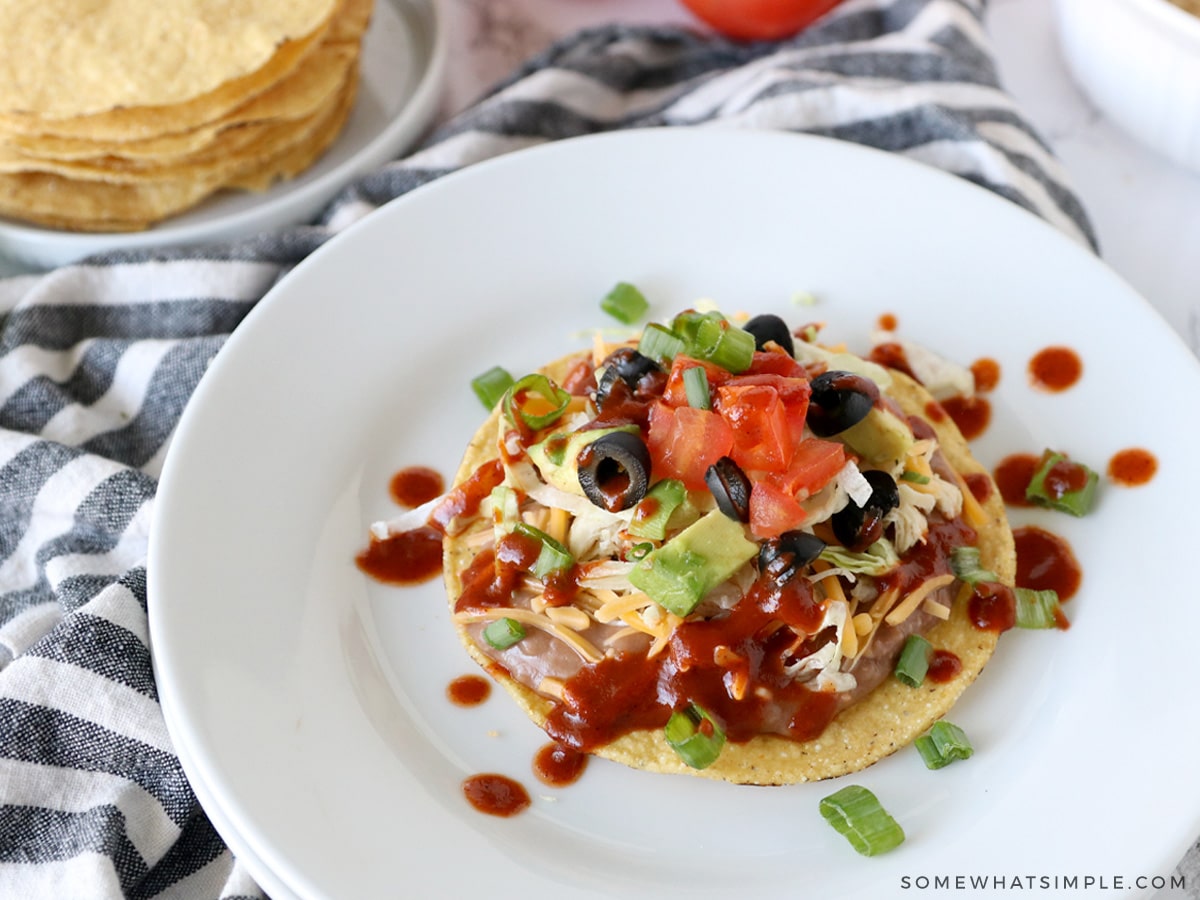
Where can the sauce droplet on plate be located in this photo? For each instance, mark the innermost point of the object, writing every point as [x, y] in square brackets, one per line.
[469, 690]
[987, 374]
[415, 485]
[887, 322]
[1132, 467]
[1046, 562]
[410, 557]
[1055, 369]
[496, 795]
[1013, 474]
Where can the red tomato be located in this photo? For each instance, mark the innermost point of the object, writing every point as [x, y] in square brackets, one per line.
[775, 362]
[759, 20]
[794, 392]
[814, 463]
[684, 442]
[762, 434]
[772, 511]
[675, 394]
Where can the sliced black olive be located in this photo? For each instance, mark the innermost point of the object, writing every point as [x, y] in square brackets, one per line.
[768, 327]
[730, 488]
[839, 401]
[626, 364]
[614, 470]
[782, 557]
[858, 527]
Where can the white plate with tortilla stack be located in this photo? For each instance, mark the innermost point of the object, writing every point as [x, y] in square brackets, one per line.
[308, 703]
[402, 74]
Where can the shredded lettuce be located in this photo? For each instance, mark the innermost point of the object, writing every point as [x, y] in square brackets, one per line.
[878, 559]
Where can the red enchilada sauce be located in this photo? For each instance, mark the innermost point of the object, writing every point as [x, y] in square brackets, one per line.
[415, 485]
[1046, 561]
[987, 374]
[1132, 467]
[944, 666]
[972, 415]
[1055, 369]
[1013, 474]
[469, 690]
[413, 557]
[496, 795]
[558, 766]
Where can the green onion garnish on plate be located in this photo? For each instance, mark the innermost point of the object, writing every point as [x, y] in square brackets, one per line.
[491, 386]
[857, 814]
[625, 303]
[1063, 484]
[944, 743]
[1036, 609]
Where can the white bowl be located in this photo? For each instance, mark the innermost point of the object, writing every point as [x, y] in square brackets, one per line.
[1139, 62]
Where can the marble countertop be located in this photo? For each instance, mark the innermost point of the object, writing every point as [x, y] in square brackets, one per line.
[1145, 209]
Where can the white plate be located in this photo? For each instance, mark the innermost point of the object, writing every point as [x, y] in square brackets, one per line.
[403, 69]
[309, 702]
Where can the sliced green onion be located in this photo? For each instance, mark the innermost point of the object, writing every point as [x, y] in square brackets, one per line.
[520, 407]
[943, 744]
[554, 557]
[639, 551]
[857, 814]
[625, 303]
[1063, 484]
[695, 383]
[914, 661]
[723, 344]
[503, 633]
[695, 735]
[967, 566]
[914, 477]
[687, 323]
[491, 386]
[660, 343]
[1035, 609]
[654, 511]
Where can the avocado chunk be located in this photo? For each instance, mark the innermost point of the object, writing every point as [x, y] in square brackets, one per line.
[678, 574]
[557, 457]
[881, 438]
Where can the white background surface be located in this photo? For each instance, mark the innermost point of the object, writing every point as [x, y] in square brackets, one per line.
[1145, 209]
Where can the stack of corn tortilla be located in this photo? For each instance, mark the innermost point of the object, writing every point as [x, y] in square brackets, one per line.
[116, 114]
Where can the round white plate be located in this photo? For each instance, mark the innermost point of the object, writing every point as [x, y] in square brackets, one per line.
[309, 702]
[403, 69]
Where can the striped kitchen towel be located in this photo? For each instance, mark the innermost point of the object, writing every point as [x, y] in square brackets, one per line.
[97, 361]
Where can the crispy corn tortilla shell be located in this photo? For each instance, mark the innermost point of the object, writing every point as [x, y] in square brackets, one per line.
[299, 95]
[347, 21]
[887, 719]
[233, 151]
[138, 53]
[100, 206]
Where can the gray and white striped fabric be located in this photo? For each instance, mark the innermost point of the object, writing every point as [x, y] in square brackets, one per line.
[97, 361]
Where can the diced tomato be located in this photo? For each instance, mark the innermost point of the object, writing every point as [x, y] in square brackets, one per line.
[675, 394]
[762, 436]
[814, 463]
[772, 511]
[776, 362]
[794, 392]
[684, 442]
